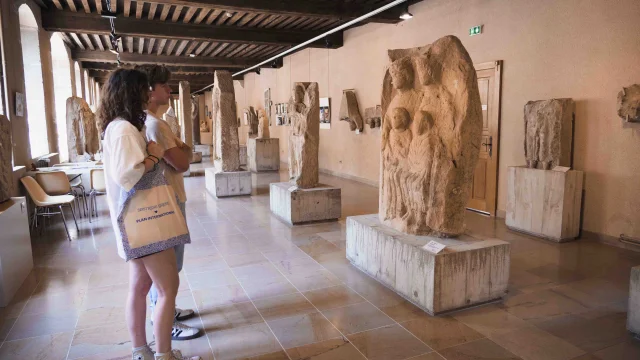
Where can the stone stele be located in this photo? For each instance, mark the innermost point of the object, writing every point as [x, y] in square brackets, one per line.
[252, 117]
[349, 110]
[548, 126]
[82, 130]
[629, 103]
[431, 134]
[304, 137]
[170, 117]
[6, 167]
[373, 116]
[195, 123]
[225, 123]
[263, 125]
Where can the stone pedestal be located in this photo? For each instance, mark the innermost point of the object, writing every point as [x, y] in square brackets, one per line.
[468, 272]
[204, 149]
[243, 155]
[230, 183]
[544, 203]
[633, 317]
[263, 154]
[297, 206]
[16, 259]
[196, 157]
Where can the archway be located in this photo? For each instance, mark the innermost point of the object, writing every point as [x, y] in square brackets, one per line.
[63, 89]
[78, 77]
[34, 89]
[87, 87]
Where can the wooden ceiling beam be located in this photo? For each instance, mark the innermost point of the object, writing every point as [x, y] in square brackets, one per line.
[134, 58]
[174, 69]
[324, 9]
[195, 78]
[66, 21]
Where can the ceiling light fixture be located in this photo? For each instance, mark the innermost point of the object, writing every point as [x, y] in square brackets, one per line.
[406, 15]
[192, 55]
[229, 14]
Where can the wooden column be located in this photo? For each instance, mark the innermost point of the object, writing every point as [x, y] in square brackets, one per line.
[185, 112]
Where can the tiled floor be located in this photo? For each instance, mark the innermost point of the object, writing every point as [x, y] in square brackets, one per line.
[267, 291]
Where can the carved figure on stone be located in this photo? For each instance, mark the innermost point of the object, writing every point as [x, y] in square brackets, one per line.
[629, 103]
[170, 117]
[82, 131]
[349, 110]
[227, 146]
[431, 134]
[6, 167]
[195, 115]
[263, 125]
[548, 133]
[373, 116]
[252, 118]
[304, 136]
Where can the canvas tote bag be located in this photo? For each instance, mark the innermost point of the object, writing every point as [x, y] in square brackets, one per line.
[149, 217]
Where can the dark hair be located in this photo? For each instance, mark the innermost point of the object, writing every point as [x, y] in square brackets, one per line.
[124, 95]
[157, 74]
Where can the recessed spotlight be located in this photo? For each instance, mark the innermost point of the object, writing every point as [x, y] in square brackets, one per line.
[192, 55]
[406, 15]
[229, 14]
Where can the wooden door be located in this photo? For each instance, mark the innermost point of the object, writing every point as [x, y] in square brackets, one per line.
[485, 179]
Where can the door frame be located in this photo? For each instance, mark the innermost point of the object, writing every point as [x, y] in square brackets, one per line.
[494, 127]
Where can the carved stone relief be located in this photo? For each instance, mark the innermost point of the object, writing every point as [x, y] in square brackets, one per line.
[349, 110]
[548, 133]
[373, 116]
[170, 117]
[82, 131]
[304, 137]
[252, 118]
[629, 103]
[263, 125]
[225, 122]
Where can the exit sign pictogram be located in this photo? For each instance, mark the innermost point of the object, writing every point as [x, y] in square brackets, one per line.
[475, 30]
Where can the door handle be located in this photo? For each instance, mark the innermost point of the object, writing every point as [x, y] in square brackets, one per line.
[489, 146]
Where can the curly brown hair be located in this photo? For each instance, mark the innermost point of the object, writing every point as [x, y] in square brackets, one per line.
[124, 95]
[157, 74]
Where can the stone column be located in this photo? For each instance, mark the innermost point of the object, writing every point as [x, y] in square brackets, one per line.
[226, 125]
[185, 113]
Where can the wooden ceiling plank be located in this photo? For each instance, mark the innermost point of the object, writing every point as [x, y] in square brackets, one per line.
[72, 5]
[224, 17]
[114, 6]
[121, 46]
[237, 50]
[58, 4]
[171, 46]
[176, 13]
[77, 40]
[103, 66]
[127, 8]
[202, 15]
[67, 39]
[214, 14]
[303, 23]
[161, 46]
[246, 50]
[235, 18]
[203, 45]
[248, 17]
[286, 22]
[165, 12]
[210, 48]
[152, 42]
[139, 8]
[191, 47]
[255, 50]
[98, 4]
[152, 11]
[98, 41]
[256, 20]
[189, 15]
[219, 49]
[296, 22]
[227, 50]
[86, 7]
[141, 46]
[87, 41]
[130, 47]
[181, 47]
[129, 58]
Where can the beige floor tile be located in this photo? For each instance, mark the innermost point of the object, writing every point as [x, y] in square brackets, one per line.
[490, 320]
[204, 264]
[218, 296]
[114, 295]
[542, 306]
[626, 350]
[336, 349]
[220, 229]
[593, 292]
[192, 252]
[5, 327]
[478, 350]
[297, 266]
[441, 332]
[118, 354]
[209, 279]
[280, 355]
[284, 306]
[317, 245]
[256, 271]
[388, 343]
[333, 297]
[533, 344]
[259, 289]
[245, 259]
[193, 347]
[429, 356]
[101, 316]
[243, 342]
[43, 324]
[52, 303]
[229, 316]
[313, 280]
[301, 330]
[99, 340]
[47, 347]
[357, 317]
[285, 254]
[108, 275]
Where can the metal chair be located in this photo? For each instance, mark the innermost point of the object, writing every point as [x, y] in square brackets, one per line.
[57, 183]
[98, 187]
[45, 202]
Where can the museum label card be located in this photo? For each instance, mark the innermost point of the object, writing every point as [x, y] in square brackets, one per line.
[434, 247]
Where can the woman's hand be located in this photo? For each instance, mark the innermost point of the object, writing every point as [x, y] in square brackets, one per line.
[154, 149]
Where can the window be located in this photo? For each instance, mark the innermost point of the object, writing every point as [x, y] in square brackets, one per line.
[34, 90]
[63, 89]
[87, 87]
[78, 77]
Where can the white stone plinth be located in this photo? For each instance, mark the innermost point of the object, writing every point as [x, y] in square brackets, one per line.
[16, 259]
[544, 203]
[633, 317]
[243, 155]
[298, 206]
[205, 149]
[231, 183]
[196, 157]
[263, 154]
[469, 271]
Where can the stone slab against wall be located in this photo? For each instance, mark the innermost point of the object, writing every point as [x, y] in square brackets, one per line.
[223, 184]
[6, 167]
[196, 157]
[633, 317]
[204, 149]
[297, 206]
[263, 154]
[243, 155]
[16, 259]
[469, 271]
[544, 203]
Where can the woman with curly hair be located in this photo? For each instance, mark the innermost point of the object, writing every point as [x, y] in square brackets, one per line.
[127, 157]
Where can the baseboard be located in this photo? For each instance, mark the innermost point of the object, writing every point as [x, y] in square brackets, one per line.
[609, 240]
[349, 177]
[501, 214]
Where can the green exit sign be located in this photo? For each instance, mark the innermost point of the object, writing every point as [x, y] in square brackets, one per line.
[475, 30]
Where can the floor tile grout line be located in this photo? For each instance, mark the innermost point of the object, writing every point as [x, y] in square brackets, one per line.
[21, 311]
[200, 318]
[259, 313]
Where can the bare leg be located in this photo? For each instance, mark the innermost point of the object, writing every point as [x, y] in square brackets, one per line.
[139, 284]
[163, 270]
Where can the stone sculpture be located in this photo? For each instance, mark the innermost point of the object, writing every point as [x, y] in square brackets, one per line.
[304, 136]
[170, 117]
[6, 167]
[373, 116]
[349, 110]
[252, 117]
[82, 130]
[227, 146]
[548, 128]
[629, 103]
[195, 115]
[431, 134]
[263, 125]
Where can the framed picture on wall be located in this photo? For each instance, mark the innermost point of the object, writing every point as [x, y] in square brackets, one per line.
[325, 113]
[19, 104]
